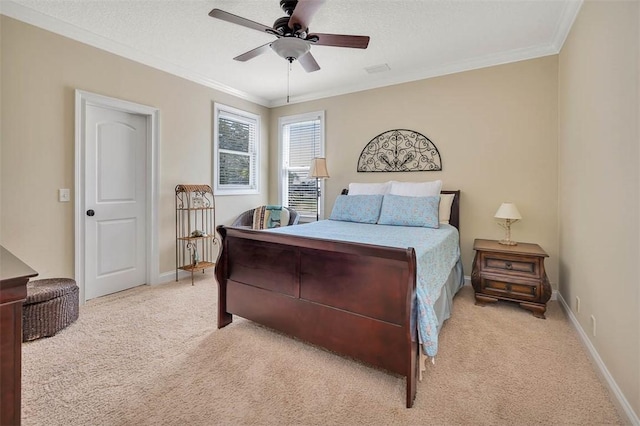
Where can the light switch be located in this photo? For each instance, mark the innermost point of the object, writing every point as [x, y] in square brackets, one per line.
[64, 195]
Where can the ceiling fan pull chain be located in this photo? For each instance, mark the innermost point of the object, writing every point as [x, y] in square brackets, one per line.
[288, 78]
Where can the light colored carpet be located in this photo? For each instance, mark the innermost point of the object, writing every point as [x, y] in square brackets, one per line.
[153, 356]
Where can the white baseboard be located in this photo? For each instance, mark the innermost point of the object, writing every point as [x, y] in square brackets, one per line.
[622, 402]
[171, 276]
[619, 397]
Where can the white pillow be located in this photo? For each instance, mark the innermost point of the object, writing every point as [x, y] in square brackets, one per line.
[444, 213]
[416, 189]
[369, 188]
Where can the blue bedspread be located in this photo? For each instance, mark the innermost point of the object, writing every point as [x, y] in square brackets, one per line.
[437, 251]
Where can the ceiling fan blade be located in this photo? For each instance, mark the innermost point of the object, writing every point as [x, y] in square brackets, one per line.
[302, 14]
[239, 20]
[308, 62]
[339, 40]
[253, 53]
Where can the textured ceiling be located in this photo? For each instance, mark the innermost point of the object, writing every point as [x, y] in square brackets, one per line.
[415, 39]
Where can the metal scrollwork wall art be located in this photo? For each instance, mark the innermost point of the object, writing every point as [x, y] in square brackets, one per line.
[400, 150]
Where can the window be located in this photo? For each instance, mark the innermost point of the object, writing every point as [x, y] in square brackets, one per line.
[301, 139]
[236, 143]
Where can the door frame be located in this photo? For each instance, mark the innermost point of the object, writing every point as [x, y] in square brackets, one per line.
[82, 100]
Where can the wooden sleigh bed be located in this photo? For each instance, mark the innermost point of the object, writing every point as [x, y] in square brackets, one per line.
[350, 298]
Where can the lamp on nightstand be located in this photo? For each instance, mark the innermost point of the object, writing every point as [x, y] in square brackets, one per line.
[509, 212]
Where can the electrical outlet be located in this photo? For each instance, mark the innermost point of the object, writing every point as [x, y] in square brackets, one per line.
[64, 195]
[577, 305]
[593, 325]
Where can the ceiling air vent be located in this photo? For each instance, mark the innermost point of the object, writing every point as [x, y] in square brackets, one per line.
[377, 69]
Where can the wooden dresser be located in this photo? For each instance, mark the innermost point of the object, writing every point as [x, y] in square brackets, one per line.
[14, 275]
[513, 273]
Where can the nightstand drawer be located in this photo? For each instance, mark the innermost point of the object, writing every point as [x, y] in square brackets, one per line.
[520, 265]
[514, 290]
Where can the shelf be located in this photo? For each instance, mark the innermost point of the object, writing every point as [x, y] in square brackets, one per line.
[195, 211]
[200, 265]
[206, 237]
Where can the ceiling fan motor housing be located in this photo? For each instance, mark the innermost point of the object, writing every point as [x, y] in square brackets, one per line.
[288, 6]
[282, 26]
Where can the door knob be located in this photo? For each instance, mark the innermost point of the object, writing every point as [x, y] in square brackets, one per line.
[90, 213]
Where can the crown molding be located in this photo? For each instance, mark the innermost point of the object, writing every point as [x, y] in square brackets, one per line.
[569, 15]
[32, 17]
[452, 68]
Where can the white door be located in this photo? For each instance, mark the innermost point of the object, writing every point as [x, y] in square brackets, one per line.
[114, 200]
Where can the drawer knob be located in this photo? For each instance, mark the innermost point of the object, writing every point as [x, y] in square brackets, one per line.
[508, 265]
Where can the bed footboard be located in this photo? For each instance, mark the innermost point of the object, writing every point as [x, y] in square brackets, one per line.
[352, 299]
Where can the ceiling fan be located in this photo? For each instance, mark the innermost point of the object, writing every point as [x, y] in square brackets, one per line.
[292, 31]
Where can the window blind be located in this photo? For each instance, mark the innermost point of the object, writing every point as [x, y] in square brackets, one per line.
[301, 143]
[237, 143]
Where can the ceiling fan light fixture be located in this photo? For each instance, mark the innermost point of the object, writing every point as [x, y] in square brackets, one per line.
[290, 48]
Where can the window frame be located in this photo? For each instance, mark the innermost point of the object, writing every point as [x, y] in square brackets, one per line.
[283, 168]
[254, 152]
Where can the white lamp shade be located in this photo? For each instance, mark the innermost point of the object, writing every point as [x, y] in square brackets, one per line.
[318, 168]
[508, 211]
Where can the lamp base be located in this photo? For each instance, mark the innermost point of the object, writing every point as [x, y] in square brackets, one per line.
[508, 242]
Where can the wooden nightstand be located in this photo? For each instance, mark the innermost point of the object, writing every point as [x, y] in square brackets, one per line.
[513, 273]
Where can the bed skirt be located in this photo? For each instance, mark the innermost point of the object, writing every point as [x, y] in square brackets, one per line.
[444, 304]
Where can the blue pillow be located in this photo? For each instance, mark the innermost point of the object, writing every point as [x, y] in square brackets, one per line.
[410, 211]
[357, 208]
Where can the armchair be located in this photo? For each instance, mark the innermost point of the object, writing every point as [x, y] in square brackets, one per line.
[245, 220]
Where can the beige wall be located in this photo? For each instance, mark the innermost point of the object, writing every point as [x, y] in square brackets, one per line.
[599, 183]
[40, 72]
[501, 133]
[495, 128]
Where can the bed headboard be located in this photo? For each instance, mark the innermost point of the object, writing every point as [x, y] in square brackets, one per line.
[454, 220]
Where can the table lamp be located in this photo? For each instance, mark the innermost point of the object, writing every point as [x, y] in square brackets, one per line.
[510, 214]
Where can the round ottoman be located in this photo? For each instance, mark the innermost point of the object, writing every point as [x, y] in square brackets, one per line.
[51, 305]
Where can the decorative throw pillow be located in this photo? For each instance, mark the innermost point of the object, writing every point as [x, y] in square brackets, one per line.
[410, 211]
[357, 208]
[416, 189]
[446, 201]
[266, 217]
[369, 188]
